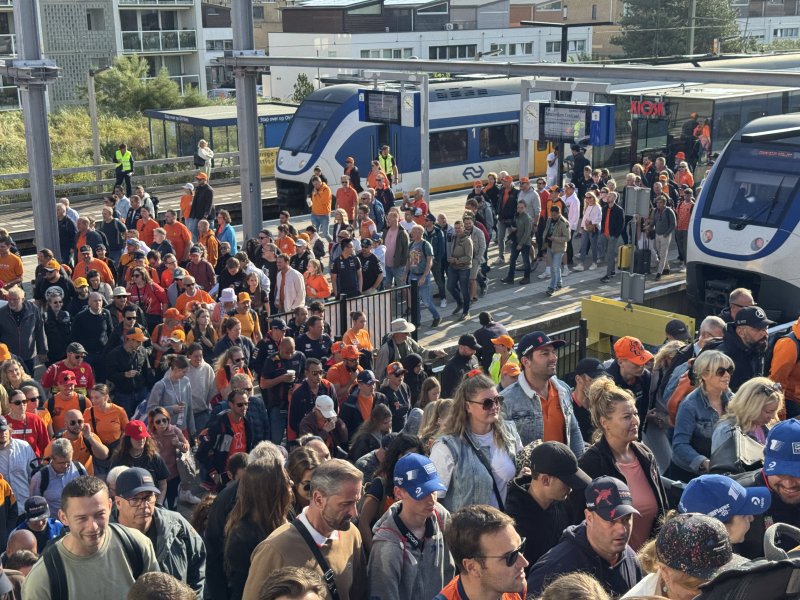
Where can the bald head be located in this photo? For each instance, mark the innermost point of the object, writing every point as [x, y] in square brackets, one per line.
[21, 539]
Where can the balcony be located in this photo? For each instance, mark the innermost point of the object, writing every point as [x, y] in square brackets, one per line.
[6, 3]
[124, 3]
[185, 82]
[144, 42]
[8, 44]
[9, 98]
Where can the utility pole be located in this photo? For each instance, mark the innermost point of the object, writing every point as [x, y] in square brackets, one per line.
[92, 93]
[32, 74]
[247, 115]
[692, 12]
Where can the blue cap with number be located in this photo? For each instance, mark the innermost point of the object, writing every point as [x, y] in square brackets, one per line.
[723, 498]
[782, 450]
[417, 475]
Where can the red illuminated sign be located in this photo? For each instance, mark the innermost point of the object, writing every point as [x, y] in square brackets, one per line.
[648, 109]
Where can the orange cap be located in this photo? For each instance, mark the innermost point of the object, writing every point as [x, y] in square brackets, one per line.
[504, 340]
[136, 334]
[630, 348]
[178, 336]
[173, 313]
[510, 369]
[350, 352]
[337, 347]
[243, 297]
[5, 354]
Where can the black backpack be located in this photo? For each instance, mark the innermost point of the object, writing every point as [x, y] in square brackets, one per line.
[154, 200]
[762, 579]
[51, 403]
[57, 574]
[44, 482]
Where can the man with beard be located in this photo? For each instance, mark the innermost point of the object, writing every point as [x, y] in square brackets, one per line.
[745, 342]
[322, 537]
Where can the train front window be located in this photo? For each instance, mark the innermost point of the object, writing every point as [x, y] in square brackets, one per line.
[307, 125]
[756, 185]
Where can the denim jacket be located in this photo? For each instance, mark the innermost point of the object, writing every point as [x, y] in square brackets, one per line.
[524, 408]
[694, 426]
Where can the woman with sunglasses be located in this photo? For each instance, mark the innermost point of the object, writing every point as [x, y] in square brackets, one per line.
[618, 453]
[170, 441]
[174, 393]
[24, 425]
[230, 363]
[254, 517]
[138, 449]
[699, 413]
[150, 296]
[752, 412]
[57, 325]
[14, 377]
[475, 454]
[301, 464]
[203, 333]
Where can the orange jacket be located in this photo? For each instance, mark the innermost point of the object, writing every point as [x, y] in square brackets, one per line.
[321, 201]
[785, 368]
[455, 591]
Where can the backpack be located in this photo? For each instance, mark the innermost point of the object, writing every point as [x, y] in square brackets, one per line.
[762, 579]
[771, 350]
[51, 403]
[684, 388]
[44, 482]
[154, 200]
[57, 574]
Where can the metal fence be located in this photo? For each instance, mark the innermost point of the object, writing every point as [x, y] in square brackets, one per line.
[573, 352]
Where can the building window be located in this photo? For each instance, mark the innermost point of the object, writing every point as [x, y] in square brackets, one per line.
[527, 48]
[552, 47]
[547, 6]
[786, 32]
[594, 12]
[370, 9]
[258, 13]
[500, 49]
[448, 147]
[447, 52]
[576, 46]
[219, 45]
[95, 20]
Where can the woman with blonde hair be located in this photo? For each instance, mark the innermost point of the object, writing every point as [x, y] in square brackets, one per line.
[203, 156]
[575, 586]
[752, 411]
[170, 441]
[433, 416]
[618, 453]
[699, 413]
[317, 286]
[470, 473]
[341, 222]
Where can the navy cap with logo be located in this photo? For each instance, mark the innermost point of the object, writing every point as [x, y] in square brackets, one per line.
[782, 450]
[677, 329]
[366, 376]
[277, 324]
[36, 509]
[135, 481]
[366, 242]
[556, 459]
[592, 367]
[609, 498]
[535, 340]
[753, 316]
[417, 476]
[723, 498]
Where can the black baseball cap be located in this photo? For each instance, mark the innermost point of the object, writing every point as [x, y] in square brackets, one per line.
[135, 481]
[753, 316]
[590, 366]
[609, 497]
[534, 341]
[36, 509]
[469, 341]
[277, 324]
[677, 329]
[556, 459]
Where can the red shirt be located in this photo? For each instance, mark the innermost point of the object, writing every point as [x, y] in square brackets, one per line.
[32, 430]
[84, 377]
[239, 441]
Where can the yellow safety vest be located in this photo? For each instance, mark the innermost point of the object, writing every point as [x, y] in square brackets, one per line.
[386, 163]
[123, 160]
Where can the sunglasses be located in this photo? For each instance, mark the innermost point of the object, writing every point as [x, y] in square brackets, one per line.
[244, 389]
[768, 390]
[19, 402]
[130, 318]
[319, 372]
[241, 404]
[160, 421]
[722, 370]
[305, 486]
[34, 399]
[512, 557]
[489, 403]
[73, 423]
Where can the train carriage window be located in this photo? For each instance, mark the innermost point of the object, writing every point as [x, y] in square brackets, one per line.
[499, 141]
[448, 147]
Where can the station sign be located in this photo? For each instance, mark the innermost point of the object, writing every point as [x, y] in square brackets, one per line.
[569, 122]
[389, 107]
[649, 109]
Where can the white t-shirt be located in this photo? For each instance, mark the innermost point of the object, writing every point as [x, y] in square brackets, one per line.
[552, 169]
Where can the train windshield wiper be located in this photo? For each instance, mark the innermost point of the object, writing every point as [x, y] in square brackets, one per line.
[739, 224]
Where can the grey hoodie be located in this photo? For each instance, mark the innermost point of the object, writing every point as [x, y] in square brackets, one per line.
[398, 571]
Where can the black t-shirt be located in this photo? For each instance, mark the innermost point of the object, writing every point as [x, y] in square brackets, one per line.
[156, 465]
[399, 402]
[320, 349]
[371, 268]
[346, 271]
[278, 395]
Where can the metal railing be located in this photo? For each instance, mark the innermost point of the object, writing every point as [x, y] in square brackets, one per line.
[185, 82]
[573, 352]
[8, 44]
[157, 2]
[173, 40]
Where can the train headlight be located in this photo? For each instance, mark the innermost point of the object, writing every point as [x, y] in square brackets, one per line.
[280, 161]
[708, 235]
[757, 244]
[302, 164]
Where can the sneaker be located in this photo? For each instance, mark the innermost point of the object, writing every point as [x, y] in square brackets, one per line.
[592, 267]
[508, 280]
[500, 261]
[457, 309]
[578, 267]
[658, 276]
[545, 275]
[550, 291]
[187, 497]
[443, 303]
[564, 271]
[435, 322]
[558, 287]
[605, 279]
[666, 271]
[525, 281]
[464, 317]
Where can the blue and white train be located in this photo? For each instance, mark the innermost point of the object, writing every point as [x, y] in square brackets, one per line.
[474, 130]
[745, 231]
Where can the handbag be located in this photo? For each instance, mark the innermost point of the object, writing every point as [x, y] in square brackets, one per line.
[188, 470]
[738, 454]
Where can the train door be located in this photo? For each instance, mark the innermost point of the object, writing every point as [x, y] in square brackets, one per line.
[540, 151]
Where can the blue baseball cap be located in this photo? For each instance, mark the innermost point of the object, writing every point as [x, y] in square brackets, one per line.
[782, 450]
[417, 475]
[723, 498]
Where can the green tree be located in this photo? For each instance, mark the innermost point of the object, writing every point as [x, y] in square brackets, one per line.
[125, 89]
[657, 28]
[302, 88]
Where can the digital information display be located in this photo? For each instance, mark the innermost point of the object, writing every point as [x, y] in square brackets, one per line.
[382, 107]
[561, 123]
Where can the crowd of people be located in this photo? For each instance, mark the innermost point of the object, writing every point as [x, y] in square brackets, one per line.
[161, 367]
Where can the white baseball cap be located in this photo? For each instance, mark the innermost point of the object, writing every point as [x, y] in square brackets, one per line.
[325, 405]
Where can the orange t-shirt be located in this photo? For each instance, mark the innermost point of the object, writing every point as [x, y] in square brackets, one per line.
[80, 242]
[180, 238]
[554, 423]
[81, 268]
[339, 376]
[286, 245]
[211, 244]
[186, 205]
[80, 452]
[146, 230]
[239, 441]
[60, 408]
[108, 425]
[360, 339]
[365, 406]
[10, 268]
[184, 303]
[250, 326]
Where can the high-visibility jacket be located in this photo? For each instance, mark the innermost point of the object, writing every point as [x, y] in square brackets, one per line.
[386, 163]
[124, 161]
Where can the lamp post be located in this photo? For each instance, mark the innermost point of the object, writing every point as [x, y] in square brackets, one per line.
[93, 116]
